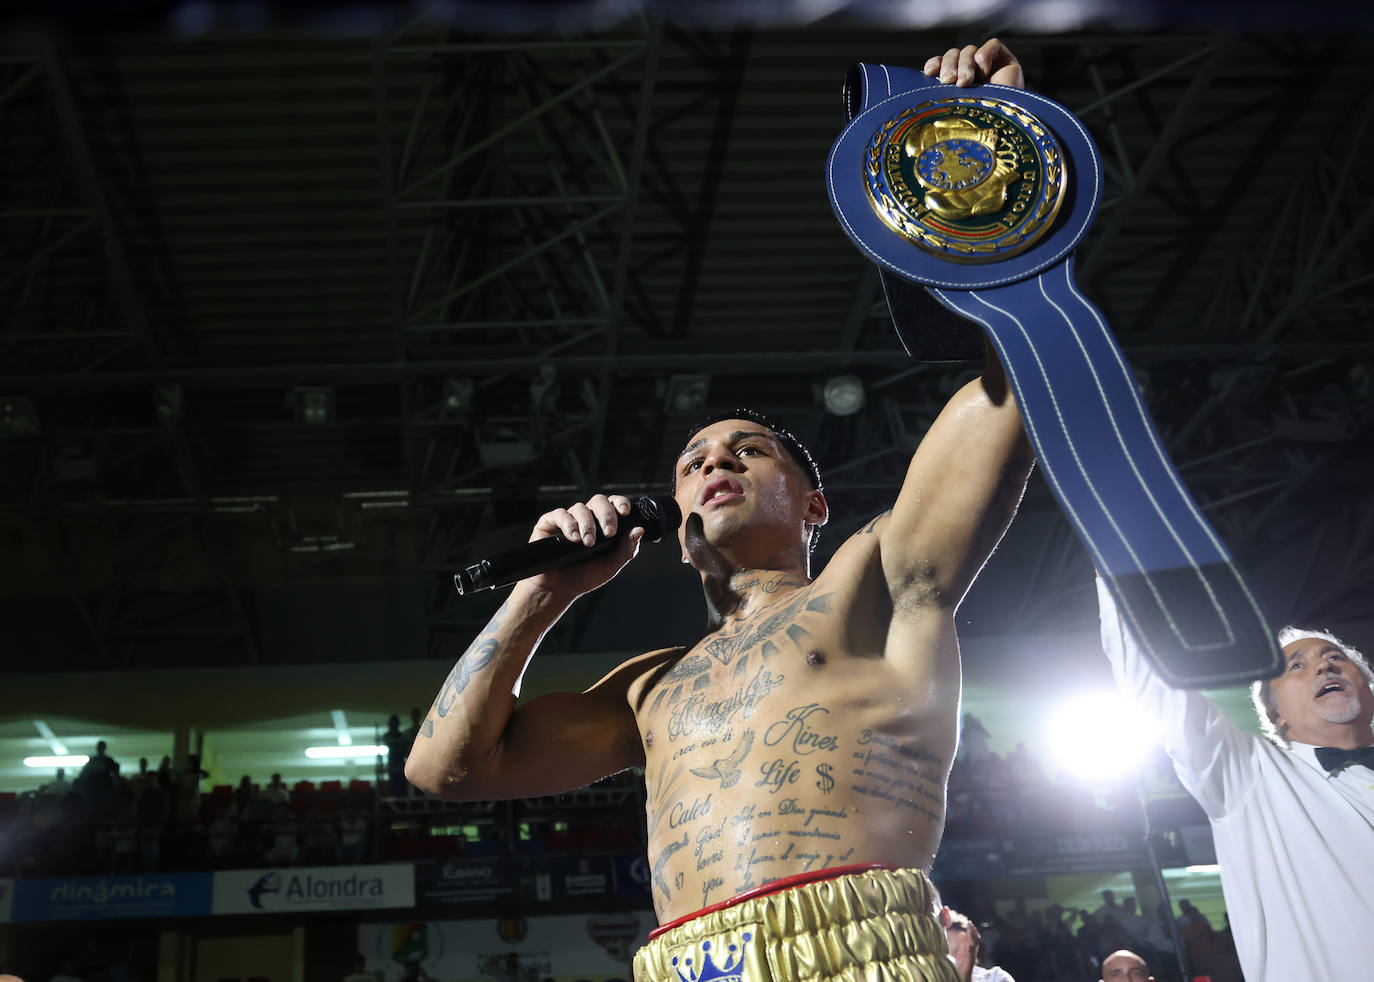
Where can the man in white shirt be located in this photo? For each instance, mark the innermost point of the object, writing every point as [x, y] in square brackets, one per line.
[1292, 816]
[1146, 934]
[1109, 908]
[1125, 966]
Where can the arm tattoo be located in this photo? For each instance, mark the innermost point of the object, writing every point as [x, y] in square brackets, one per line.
[872, 526]
[476, 658]
[473, 661]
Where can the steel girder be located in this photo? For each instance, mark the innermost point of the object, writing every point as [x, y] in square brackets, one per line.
[106, 320]
[545, 245]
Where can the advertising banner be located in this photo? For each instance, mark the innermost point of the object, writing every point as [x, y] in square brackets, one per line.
[566, 948]
[583, 877]
[1076, 854]
[285, 891]
[83, 898]
[632, 875]
[466, 881]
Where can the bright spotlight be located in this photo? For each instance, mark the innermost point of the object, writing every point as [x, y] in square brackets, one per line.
[1100, 736]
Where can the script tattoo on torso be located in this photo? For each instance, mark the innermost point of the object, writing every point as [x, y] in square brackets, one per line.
[772, 751]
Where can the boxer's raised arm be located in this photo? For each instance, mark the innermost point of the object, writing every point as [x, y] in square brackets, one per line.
[960, 493]
[967, 476]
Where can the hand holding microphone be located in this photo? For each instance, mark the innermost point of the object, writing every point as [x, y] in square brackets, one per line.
[575, 535]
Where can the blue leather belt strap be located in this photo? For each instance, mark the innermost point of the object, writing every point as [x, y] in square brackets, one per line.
[912, 146]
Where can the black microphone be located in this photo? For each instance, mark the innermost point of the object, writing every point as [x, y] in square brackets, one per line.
[658, 514]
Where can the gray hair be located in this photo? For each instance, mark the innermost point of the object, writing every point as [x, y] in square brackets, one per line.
[1262, 691]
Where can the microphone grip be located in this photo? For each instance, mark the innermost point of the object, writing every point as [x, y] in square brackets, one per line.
[657, 514]
[530, 559]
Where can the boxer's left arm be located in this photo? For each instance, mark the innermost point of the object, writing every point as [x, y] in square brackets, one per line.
[960, 493]
[967, 476]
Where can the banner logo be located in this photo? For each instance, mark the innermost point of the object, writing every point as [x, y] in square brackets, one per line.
[271, 883]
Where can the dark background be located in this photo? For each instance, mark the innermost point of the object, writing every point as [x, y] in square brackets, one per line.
[301, 313]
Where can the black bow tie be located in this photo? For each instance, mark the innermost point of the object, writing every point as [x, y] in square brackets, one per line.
[1335, 760]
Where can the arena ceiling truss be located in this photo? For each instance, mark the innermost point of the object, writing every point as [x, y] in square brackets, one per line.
[287, 314]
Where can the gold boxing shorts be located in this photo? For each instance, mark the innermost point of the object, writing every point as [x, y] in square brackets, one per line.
[857, 924]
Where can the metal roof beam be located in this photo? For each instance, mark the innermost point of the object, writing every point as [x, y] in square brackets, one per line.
[1163, 146]
[752, 362]
[87, 177]
[634, 179]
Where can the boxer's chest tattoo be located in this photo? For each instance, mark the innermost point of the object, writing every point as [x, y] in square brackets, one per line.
[791, 623]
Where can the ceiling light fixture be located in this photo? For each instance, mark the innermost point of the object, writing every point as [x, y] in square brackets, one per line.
[66, 760]
[687, 394]
[843, 395]
[340, 753]
[341, 727]
[45, 731]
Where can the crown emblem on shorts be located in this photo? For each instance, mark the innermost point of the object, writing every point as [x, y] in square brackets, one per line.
[732, 970]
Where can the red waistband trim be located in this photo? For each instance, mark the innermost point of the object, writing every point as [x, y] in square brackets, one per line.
[777, 886]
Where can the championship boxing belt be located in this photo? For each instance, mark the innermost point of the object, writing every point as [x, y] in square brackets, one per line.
[979, 195]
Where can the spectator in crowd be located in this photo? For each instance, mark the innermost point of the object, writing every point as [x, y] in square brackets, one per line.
[352, 836]
[1018, 950]
[276, 792]
[319, 839]
[1110, 908]
[222, 837]
[188, 788]
[413, 731]
[1132, 923]
[186, 830]
[973, 740]
[1195, 932]
[121, 832]
[58, 786]
[166, 777]
[1189, 916]
[246, 800]
[965, 946]
[152, 810]
[1125, 966]
[282, 832]
[397, 749]
[143, 777]
[1064, 956]
[97, 781]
